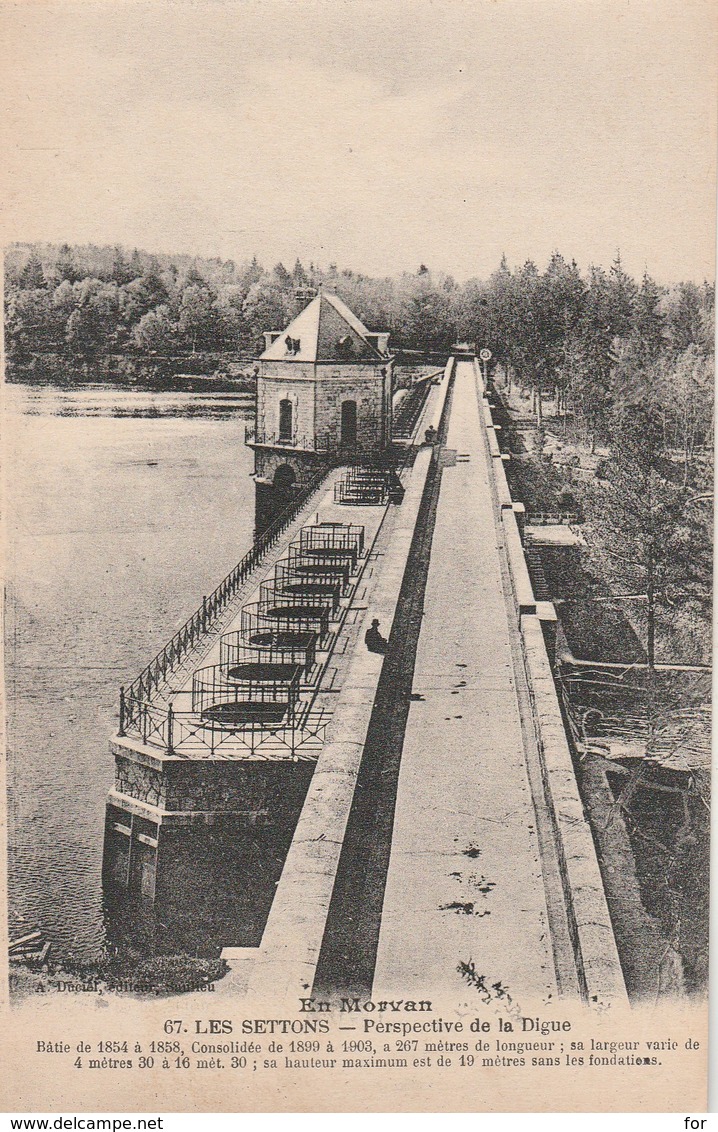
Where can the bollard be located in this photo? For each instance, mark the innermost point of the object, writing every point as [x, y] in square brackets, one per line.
[121, 731]
[170, 729]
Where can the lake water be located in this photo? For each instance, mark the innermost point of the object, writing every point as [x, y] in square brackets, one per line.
[122, 509]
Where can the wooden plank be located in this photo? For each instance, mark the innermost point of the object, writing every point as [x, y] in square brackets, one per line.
[24, 939]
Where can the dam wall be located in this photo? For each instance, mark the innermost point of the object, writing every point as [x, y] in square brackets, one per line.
[596, 955]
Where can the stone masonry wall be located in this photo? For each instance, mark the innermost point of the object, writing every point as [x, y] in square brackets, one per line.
[367, 391]
[185, 785]
[270, 391]
[266, 462]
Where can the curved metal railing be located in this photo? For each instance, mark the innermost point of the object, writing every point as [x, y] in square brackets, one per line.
[262, 617]
[293, 572]
[272, 592]
[308, 561]
[286, 586]
[250, 693]
[269, 648]
[185, 734]
[332, 536]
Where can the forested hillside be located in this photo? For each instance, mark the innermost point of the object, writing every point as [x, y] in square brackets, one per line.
[598, 340]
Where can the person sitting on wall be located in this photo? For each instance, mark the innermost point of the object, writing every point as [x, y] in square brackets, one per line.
[374, 640]
[431, 435]
[394, 486]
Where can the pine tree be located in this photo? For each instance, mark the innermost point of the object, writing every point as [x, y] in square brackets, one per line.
[299, 275]
[643, 536]
[121, 271]
[647, 330]
[32, 277]
[282, 276]
[66, 267]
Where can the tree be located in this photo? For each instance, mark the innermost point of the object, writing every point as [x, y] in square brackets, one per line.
[83, 332]
[427, 316]
[643, 535]
[622, 297]
[266, 307]
[154, 286]
[528, 329]
[688, 396]
[121, 270]
[32, 276]
[194, 277]
[282, 276]
[251, 274]
[593, 355]
[143, 294]
[563, 300]
[66, 266]
[231, 325]
[155, 332]
[647, 327]
[496, 322]
[299, 275]
[197, 317]
[683, 311]
[32, 323]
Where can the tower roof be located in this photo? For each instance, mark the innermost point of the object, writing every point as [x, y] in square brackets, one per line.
[325, 331]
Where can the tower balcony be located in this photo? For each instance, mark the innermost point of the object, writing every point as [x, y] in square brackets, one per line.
[319, 445]
[324, 444]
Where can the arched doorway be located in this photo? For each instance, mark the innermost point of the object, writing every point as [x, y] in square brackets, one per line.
[284, 479]
[349, 424]
[285, 420]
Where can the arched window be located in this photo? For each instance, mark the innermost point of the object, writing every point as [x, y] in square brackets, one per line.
[285, 420]
[349, 424]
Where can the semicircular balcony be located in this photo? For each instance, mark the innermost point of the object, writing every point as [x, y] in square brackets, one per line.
[273, 615]
[265, 647]
[249, 694]
[321, 587]
[332, 537]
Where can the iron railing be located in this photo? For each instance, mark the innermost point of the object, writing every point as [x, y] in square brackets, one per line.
[363, 486]
[323, 444]
[332, 536]
[262, 617]
[186, 735]
[272, 592]
[337, 561]
[295, 572]
[407, 416]
[176, 649]
[271, 648]
[262, 686]
[551, 518]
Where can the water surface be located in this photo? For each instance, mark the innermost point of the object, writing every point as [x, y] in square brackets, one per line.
[122, 510]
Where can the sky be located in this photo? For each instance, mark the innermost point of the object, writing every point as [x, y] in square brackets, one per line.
[374, 135]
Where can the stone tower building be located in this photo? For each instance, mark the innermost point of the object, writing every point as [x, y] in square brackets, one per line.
[324, 393]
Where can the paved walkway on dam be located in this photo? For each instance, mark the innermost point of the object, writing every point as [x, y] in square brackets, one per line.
[283, 968]
[465, 881]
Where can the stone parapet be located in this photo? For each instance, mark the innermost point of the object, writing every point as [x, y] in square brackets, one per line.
[595, 948]
[520, 579]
